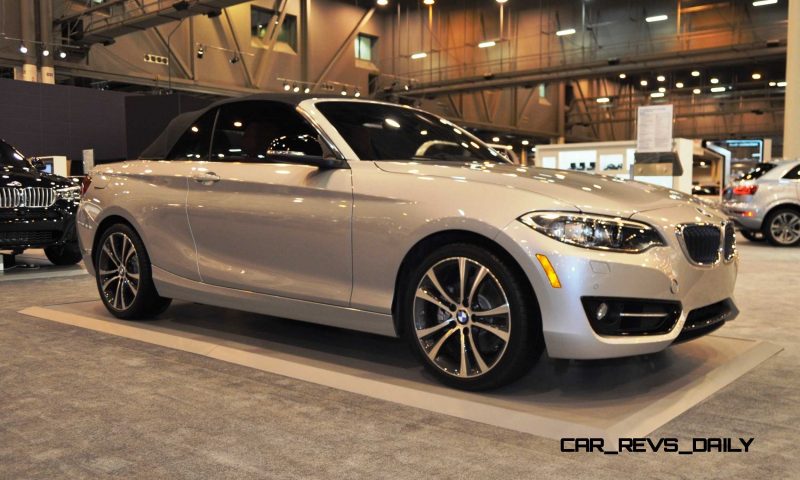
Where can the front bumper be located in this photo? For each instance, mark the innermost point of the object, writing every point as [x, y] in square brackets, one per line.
[659, 274]
[23, 228]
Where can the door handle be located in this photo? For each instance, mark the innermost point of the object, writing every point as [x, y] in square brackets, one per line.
[206, 178]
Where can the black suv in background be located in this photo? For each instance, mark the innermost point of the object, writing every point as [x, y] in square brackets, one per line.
[37, 209]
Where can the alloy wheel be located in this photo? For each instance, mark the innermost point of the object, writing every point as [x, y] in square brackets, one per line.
[785, 228]
[118, 271]
[462, 317]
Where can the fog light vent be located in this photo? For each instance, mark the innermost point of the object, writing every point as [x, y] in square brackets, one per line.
[631, 316]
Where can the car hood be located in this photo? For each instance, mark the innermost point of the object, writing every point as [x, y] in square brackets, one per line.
[20, 176]
[598, 194]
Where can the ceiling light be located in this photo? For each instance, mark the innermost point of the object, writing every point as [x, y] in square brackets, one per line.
[62, 54]
[656, 18]
[657, 94]
[358, 92]
[756, 76]
[287, 87]
[715, 80]
[603, 100]
[234, 59]
[697, 91]
[567, 31]
[296, 89]
[382, 3]
[45, 52]
[495, 139]
[781, 84]
[761, 3]
[429, 2]
[526, 142]
[487, 44]
[662, 89]
[501, 1]
[418, 55]
[201, 51]
[344, 91]
[772, 84]
[695, 73]
[643, 83]
[307, 90]
[237, 124]
[622, 76]
[718, 89]
[661, 78]
[679, 85]
[23, 48]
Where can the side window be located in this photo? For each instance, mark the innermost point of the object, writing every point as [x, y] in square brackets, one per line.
[250, 131]
[196, 141]
[794, 174]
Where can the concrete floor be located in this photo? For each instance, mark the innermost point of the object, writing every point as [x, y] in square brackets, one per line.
[77, 403]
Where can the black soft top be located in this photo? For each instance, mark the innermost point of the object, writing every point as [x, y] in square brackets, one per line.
[160, 148]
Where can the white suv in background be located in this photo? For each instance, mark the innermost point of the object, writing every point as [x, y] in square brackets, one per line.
[766, 200]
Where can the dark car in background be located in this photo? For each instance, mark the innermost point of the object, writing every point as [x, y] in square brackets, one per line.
[37, 209]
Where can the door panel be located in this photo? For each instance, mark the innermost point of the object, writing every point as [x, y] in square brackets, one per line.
[281, 229]
[159, 205]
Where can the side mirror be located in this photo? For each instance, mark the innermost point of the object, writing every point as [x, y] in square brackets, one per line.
[323, 163]
[38, 164]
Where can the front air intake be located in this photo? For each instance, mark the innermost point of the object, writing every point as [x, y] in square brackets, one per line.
[701, 242]
[729, 249]
[631, 316]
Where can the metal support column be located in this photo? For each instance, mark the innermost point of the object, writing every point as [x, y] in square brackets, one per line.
[791, 116]
[28, 31]
[48, 74]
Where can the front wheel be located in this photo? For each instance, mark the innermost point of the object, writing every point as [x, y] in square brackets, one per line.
[782, 227]
[124, 275]
[471, 318]
[66, 254]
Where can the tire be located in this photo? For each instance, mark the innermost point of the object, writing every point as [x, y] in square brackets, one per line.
[66, 254]
[782, 227]
[124, 276]
[452, 336]
[753, 235]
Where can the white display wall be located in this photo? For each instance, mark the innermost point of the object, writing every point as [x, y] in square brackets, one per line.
[613, 158]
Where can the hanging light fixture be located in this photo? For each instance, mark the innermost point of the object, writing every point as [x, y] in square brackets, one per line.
[45, 52]
[201, 51]
[62, 54]
[22, 48]
[234, 59]
[307, 90]
[357, 94]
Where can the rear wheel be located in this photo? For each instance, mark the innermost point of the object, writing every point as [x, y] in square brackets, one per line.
[124, 275]
[471, 319]
[66, 254]
[782, 227]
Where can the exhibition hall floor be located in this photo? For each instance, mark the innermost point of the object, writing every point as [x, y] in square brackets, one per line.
[78, 399]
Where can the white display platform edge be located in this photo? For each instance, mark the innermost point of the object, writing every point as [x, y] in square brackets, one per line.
[639, 424]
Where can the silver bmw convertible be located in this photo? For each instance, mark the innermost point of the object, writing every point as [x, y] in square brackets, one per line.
[390, 220]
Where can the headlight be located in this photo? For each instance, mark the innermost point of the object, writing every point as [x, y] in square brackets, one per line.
[594, 231]
[70, 194]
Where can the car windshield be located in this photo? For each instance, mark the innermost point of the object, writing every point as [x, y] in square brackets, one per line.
[756, 172]
[386, 132]
[11, 156]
